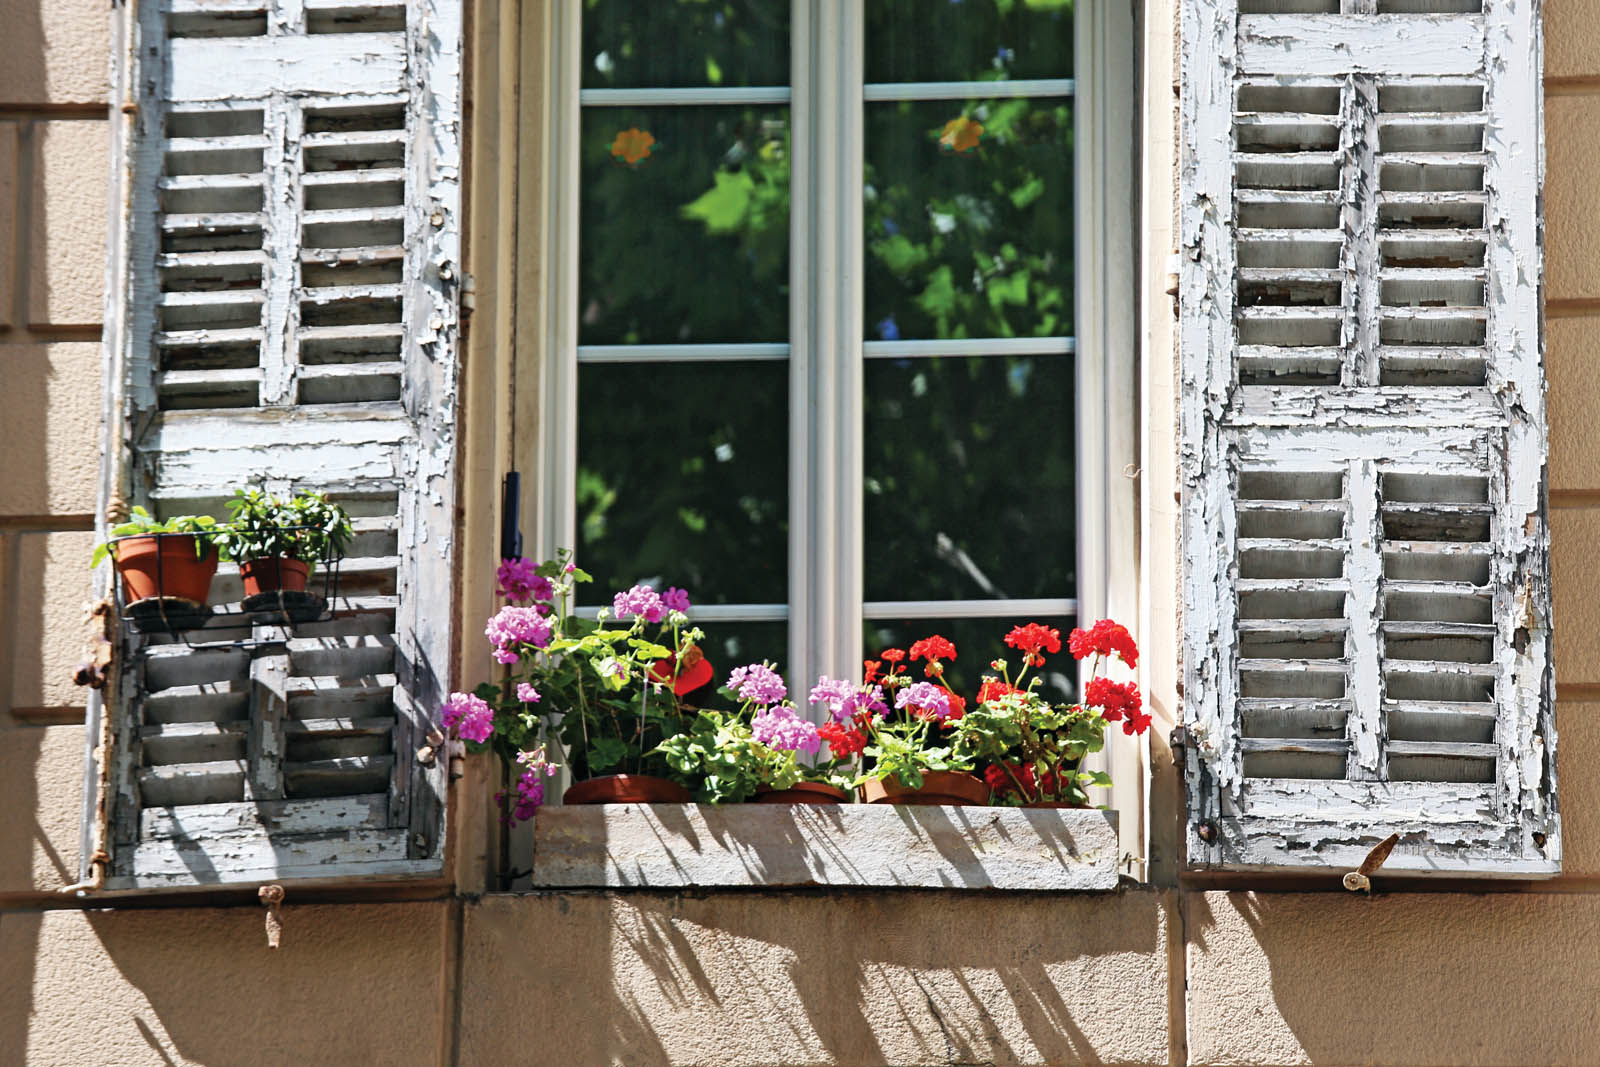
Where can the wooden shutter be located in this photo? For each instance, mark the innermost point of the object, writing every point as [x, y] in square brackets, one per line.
[285, 313]
[1367, 628]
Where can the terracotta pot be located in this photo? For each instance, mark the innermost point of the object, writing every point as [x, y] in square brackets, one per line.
[626, 789]
[801, 793]
[164, 566]
[938, 787]
[274, 573]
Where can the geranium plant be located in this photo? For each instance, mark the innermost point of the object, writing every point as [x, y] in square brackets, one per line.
[608, 690]
[728, 756]
[904, 725]
[1030, 749]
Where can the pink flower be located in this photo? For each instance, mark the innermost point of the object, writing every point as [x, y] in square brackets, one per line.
[469, 717]
[642, 601]
[527, 693]
[779, 727]
[757, 682]
[845, 700]
[675, 599]
[925, 700]
[519, 582]
[512, 630]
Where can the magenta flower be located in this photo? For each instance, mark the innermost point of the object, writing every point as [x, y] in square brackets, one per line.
[779, 727]
[845, 699]
[675, 599]
[924, 699]
[512, 629]
[527, 693]
[530, 786]
[642, 601]
[757, 682]
[518, 581]
[469, 717]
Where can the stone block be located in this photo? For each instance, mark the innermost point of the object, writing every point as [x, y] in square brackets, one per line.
[46, 587]
[56, 53]
[49, 428]
[67, 225]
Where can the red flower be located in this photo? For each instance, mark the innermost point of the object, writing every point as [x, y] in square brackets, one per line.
[1105, 638]
[694, 671]
[958, 707]
[843, 742]
[994, 689]
[1031, 639]
[1136, 723]
[1113, 698]
[892, 656]
[933, 648]
[872, 666]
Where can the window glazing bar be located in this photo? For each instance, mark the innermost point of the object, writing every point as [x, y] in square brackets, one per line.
[995, 90]
[715, 612]
[972, 346]
[1043, 607]
[668, 97]
[681, 353]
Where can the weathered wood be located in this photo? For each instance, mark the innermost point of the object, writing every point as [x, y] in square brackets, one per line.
[1405, 154]
[671, 845]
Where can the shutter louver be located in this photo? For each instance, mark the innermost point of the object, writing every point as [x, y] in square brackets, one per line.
[290, 321]
[1367, 642]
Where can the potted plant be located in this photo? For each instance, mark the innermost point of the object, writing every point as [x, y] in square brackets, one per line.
[277, 542]
[907, 745]
[753, 752]
[609, 690]
[1030, 749]
[175, 558]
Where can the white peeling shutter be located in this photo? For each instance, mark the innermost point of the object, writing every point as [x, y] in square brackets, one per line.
[285, 313]
[1367, 643]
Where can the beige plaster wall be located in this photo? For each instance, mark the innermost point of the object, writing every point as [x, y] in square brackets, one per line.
[1170, 974]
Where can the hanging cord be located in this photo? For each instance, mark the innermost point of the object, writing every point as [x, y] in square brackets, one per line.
[272, 897]
[106, 674]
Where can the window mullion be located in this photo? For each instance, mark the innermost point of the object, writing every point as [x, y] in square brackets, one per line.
[825, 582]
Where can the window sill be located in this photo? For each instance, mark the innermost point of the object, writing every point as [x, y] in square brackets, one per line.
[848, 845]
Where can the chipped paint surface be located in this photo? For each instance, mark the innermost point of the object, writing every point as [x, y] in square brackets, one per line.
[1365, 544]
[289, 306]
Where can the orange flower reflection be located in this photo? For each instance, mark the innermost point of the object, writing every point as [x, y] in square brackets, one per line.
[960, 135]
[632, 145]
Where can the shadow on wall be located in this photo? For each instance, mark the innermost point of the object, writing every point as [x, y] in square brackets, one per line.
[812, 977]
[1337, 978]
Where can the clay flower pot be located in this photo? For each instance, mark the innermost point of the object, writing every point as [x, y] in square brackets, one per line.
[801, 793]
[273, 574]
[626, 789]
[938, 787]
[164, 567]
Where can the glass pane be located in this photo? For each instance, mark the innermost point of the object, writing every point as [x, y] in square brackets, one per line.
[685, 225]
[968, 40]
[969, 478]
[683, 479]
[978, 643]
[968, 211]
[641, 43]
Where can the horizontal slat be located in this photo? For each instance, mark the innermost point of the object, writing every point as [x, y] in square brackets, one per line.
[1326, 45]
[187, 744]
[337, 371]
[1441, 667]
[261, 858]
[174, 222]
[1304, 666]
[1443, 750]
[347, 138]
[213, 822]
[192, 783]
[371, 176]
[193, 338]
[328, 216]
[359, 64]
[337, 777]
[331, 293]
[221, 376]
[191, 182]
[1324, 746]
[343, 657]
[191, 145]
[210, 702]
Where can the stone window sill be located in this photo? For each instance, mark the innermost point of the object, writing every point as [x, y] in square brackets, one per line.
[848, 845]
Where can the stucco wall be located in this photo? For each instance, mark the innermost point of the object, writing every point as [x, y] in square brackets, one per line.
[1157, 975]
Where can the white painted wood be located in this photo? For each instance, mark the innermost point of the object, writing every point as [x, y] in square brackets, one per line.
[1359, 300]
[858, 845]
[988, 90]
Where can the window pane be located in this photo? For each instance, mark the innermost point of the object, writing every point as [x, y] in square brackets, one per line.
[639, 43]
[968, 211]
[978, 643]
[683, 479]
[968, 40]
[969, 478]
[733, 644]
[685, 225]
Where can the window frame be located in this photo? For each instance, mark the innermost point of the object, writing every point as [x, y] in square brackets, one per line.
[827, 353]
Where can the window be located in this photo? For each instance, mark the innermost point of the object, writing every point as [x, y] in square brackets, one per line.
[1365, 535]
[813, 350]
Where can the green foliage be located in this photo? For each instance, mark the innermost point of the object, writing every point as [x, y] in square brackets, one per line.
[142, 524]
[719, 760]
[307, 527]
[1038, 746]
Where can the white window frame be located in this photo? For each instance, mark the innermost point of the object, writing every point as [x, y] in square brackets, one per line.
[826, 350]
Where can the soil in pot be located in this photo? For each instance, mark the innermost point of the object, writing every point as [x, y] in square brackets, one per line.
[802, 793]
[273, 574]
[164, 567]
[626, 789]
[938, 787]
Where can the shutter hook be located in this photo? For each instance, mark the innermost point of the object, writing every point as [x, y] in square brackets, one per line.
[272, 897]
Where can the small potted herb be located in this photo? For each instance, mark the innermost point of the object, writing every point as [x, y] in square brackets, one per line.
[153, 566]
[277, 542]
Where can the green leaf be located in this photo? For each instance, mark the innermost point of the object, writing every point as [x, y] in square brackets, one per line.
[606, 752]
[723, 207]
